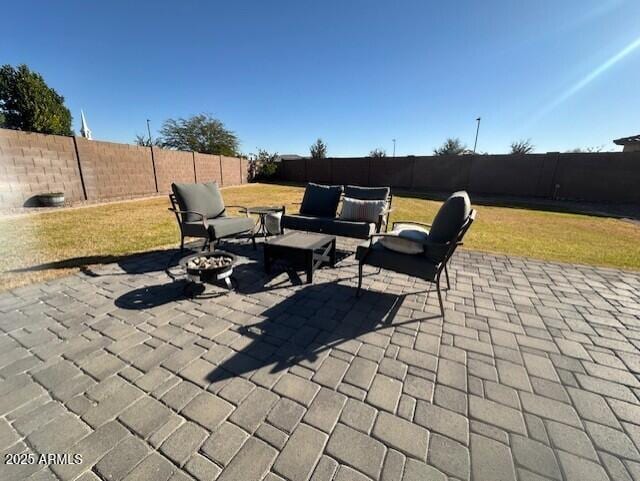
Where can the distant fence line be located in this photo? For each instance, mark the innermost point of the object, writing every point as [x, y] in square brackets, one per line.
[32, 164]
[593, 177]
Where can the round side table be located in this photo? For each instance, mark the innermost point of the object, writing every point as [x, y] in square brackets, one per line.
[262, 212]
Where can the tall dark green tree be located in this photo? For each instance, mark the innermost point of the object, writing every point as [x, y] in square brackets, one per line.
[200, 133]
[28, 103]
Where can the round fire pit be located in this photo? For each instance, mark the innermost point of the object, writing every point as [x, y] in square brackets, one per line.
[209, 267]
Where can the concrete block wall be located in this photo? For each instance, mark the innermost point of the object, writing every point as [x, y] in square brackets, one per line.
[115, 171]
[208, 168]
[173, 166]
[32, 164]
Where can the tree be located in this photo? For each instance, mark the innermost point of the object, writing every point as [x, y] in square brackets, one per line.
[522, 147]
[451, 147]
[264, 165]
[378, 153]
[318, 149]
[28, 103]
[579, 150]
[200, 133]
[143, 141]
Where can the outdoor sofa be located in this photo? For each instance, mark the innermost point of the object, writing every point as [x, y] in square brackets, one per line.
[369, 207]
[201, 212]
[420, 250]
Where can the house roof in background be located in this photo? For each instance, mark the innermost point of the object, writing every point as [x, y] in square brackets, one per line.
[634, 139]
[290, 157]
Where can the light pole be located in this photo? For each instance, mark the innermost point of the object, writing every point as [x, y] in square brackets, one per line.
[394, 148]
[475, 144]
[149, 131]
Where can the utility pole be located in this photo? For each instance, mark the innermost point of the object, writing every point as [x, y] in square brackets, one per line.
[149, 131]
[394, 148]
[475, 144]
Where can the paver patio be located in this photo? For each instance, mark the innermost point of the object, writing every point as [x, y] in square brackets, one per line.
[533, 375]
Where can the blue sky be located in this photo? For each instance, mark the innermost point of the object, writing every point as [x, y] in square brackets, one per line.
[356, 73]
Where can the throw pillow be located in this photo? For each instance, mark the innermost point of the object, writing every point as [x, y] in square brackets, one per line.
[362, 210]
[272, 222]
[407, 239]
[321, 200]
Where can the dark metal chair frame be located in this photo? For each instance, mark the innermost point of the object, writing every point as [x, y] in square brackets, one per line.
[441, 266]
[210, 239]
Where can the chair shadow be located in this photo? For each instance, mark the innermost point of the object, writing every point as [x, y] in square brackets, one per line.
[149, 297]
[286, 337]
[139, 263]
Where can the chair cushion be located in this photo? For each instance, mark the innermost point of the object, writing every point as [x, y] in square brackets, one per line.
[203, 198]
[414, 265]
[450, 218]
[229, 226]
[362, 210]
[407, 239]
[366, 193]
[328, 225]
[321, 200]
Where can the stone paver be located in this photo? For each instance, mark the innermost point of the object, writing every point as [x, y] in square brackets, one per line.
[301, 453]
[533, 375]
[356, 449]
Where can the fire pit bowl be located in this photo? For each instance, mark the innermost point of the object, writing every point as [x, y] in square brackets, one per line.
[209, 267]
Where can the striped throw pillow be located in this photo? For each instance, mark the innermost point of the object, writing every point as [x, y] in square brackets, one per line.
[362, 210]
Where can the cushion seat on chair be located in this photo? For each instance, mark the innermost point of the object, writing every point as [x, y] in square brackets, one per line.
[228, 226]
[415, 265]
[328, 225]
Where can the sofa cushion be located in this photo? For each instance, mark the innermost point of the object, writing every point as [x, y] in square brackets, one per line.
[328, 225]
[366, 193]
[229, 226]
[321, 200]
[203, 198]
[362, 210]
[406, 239]
[450, 218]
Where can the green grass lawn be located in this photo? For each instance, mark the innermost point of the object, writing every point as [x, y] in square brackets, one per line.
[72, 238]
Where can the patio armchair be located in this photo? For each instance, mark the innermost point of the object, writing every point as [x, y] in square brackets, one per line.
[435, 248]
[200, 212]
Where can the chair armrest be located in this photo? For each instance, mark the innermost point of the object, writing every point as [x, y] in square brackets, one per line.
[181, 213]
[243, 209]
[425, 243]
[422, 224]
[379, 235]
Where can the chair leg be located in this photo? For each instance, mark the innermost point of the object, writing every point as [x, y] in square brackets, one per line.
[360, 265]
[446, 273]
[181, 244]
[253, 241]
[439, 295]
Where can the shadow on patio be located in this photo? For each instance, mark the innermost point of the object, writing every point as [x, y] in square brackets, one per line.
[305, 325]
